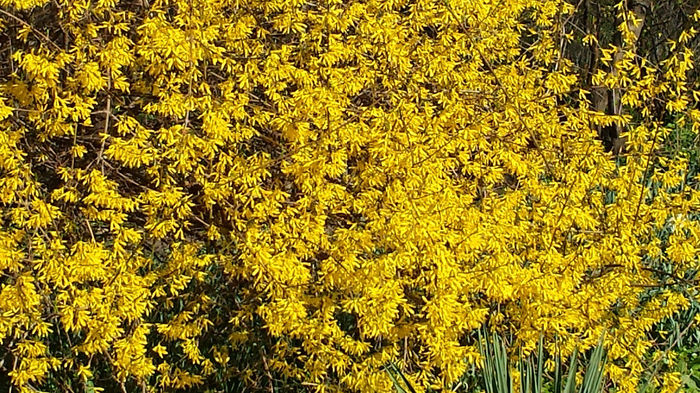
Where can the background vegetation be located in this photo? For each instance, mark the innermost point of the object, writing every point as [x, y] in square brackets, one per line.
[334, 196]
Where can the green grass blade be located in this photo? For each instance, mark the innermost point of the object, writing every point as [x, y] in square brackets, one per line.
[571, 378]
[557, 372]
[540, 360]
[405, 380]
[593, 378]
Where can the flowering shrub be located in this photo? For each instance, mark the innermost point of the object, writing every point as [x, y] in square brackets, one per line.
[243, 193]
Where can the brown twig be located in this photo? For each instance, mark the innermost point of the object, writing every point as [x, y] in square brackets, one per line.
[33, 30]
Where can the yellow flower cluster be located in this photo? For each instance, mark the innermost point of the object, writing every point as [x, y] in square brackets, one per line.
[202, 192]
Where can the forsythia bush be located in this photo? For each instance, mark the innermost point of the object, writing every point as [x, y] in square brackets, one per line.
[219, 194]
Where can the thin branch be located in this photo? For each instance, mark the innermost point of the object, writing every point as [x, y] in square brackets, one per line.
[33, 30]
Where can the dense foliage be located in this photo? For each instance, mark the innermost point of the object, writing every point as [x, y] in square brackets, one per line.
[290, 194]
